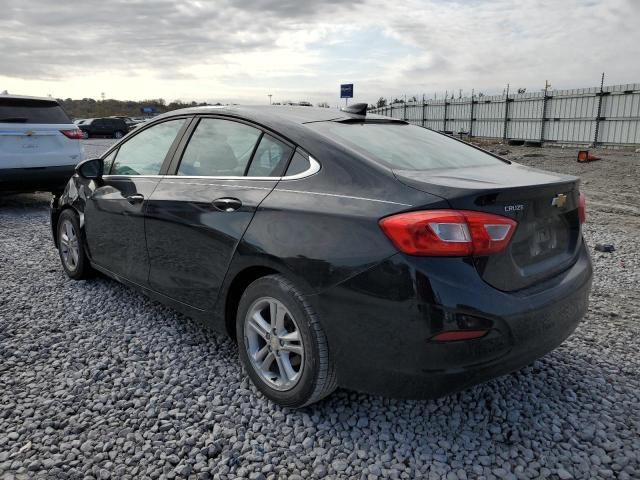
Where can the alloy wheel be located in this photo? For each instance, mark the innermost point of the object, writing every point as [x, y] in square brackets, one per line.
[69, 247]
[273, 343]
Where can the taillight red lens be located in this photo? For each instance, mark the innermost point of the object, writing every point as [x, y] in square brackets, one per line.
[75, 134]
[582, 208]
[452, 233]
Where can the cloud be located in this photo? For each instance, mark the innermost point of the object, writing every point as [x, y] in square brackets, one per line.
[241, 50]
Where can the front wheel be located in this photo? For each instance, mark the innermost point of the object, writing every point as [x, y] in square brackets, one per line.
[118, 134]
[282, 345]
[71, 248]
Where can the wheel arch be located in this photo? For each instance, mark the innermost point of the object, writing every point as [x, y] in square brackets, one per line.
[236, 288]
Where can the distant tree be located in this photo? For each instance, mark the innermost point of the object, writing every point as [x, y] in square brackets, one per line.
[413, 99]
[480, 94]
[382, 102]
[398, 100]
[522, 90]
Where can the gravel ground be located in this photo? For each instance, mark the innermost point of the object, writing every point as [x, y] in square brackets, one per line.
[96, 381]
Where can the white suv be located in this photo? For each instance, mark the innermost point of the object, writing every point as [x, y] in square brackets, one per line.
[39, 144]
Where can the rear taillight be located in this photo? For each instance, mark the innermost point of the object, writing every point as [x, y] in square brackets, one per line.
[75, 134]
[582, 208]
[452, 233]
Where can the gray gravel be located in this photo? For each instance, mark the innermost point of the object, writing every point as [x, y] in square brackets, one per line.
[96, 381]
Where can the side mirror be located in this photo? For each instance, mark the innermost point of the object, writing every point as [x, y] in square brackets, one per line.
[91, 169]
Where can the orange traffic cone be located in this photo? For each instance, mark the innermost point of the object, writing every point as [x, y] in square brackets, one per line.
[585, 156]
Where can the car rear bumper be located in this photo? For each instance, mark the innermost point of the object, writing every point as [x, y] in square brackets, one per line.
[380, 324]
[36, 178]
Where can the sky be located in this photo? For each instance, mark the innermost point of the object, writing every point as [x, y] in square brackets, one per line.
[242, 51]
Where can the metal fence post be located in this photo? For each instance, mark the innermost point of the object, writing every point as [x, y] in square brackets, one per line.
[423, 111]
[473, 102]
[444, 120]
[506, 114]
[598, 118]
[404, 113]
[544, 112]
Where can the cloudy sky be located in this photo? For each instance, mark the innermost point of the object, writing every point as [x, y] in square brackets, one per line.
[241, 51]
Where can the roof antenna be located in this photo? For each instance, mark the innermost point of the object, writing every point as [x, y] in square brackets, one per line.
[356, 109]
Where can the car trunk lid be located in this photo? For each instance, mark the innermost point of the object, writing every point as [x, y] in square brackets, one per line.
[544, 204]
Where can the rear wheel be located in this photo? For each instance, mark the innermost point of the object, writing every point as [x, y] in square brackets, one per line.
[282, 344]
[118, 134]
[71, 248]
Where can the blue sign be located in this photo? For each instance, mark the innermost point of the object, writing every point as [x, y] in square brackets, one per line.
[346, 90]
[147, 110]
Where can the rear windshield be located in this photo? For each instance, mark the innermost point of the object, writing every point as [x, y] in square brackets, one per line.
[21, 110]
[404, 147]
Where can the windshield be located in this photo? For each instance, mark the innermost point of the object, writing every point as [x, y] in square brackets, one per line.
[404, 147]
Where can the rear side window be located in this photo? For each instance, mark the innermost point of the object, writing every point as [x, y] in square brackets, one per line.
[219, 148]
[22, 110]
[270, 158]
[404, 147]
[144, 153]
[299, 163]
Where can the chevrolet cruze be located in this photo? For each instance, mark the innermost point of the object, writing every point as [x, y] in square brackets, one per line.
[337, 248]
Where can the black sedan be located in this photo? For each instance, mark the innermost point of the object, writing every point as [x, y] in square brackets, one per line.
[335, 247]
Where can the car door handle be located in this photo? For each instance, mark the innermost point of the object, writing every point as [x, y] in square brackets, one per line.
[227, 204]
[135, 198]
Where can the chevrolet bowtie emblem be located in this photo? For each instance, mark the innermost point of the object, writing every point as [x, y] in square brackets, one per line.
[560, 200]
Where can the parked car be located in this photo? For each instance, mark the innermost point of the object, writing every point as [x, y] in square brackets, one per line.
[104, 127]
[131, 122]
[39, 145]
[336, 248]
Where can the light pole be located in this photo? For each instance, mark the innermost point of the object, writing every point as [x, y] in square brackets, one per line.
[269, 98]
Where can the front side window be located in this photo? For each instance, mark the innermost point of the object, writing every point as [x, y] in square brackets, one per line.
[144, 154]
[270, 158]
[404, 147]
[219, 148]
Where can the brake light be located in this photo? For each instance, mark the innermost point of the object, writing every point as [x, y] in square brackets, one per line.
[450, 233]
[582, 208]
[75, 134]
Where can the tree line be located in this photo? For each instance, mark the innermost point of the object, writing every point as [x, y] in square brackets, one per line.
[90, 108]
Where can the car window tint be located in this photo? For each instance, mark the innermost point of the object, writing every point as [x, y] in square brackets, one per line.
[219, 148]
[144, 153]
[108, 161]
[404, 147]
[23, 110]
[270, 158]
[299, 163]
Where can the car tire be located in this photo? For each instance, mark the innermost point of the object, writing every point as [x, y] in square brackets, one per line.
[118, 134]
[85, 135]
[292, 373]
[71, 246]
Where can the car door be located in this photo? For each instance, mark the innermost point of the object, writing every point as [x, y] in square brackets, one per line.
[195, 218]
[113, 216]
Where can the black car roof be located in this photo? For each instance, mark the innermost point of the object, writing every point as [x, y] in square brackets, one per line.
[293, 114]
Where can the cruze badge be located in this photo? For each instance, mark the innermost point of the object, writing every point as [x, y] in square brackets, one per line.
[514, 208]
[560, 200]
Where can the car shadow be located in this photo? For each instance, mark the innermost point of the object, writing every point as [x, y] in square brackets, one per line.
[24, 201]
